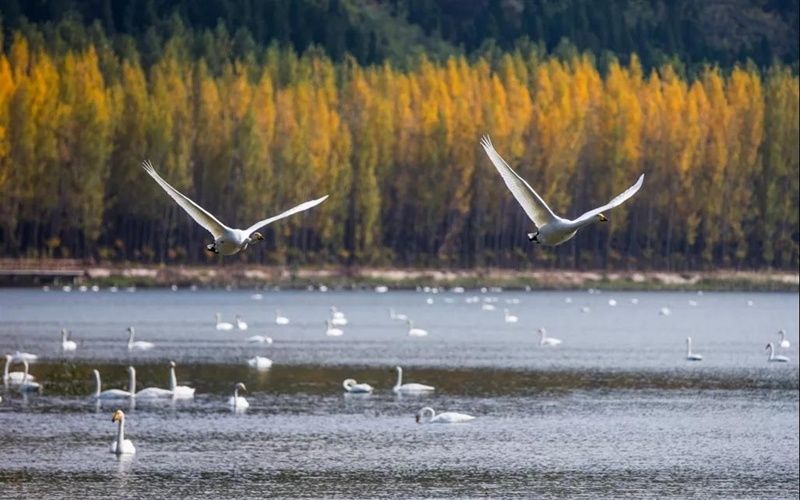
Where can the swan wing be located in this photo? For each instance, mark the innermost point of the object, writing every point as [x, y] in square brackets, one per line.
[533, 204]
[617, 201]
[299, 208]
[195, 211]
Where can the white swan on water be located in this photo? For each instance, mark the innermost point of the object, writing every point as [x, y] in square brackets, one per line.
[178, 391]
[775, 358]
[259, 363]
[410, 388]
[428, 416]
[546, 341]
[223, 326]
[280, 319]
[67, 345]
[350, 385]
[415, 332]
[551, 229]
[240, 324]
[138, 345]
[689, 355]
[397, 316]
[509, 318]
[259, 339]
[330, 331]
[337, 317]
[14, 378]
[227, 240]
[114, 393]
[236, 402]
[120, 445]
[785, 344]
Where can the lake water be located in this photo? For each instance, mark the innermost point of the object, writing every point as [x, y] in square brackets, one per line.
[614, 411]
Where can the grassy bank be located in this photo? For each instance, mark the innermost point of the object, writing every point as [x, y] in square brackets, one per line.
[35, 273]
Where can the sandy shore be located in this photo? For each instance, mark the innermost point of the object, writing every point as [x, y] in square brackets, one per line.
[22, 273]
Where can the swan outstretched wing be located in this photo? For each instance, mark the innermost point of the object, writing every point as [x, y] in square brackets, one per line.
[533, 204]
[299, 208]
[195, 211]
[617, 201]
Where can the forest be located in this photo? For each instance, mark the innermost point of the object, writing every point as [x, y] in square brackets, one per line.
[249, 129]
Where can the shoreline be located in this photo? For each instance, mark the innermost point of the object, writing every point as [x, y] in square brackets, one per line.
[22, 273]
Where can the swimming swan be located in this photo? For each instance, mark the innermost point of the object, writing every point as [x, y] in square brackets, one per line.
[689, 355]
[151, 392]
[227, 241]
[279, 319]
[240, 324]
[509, 318]
[259, 363]
[784, 342]
[14, 378]
[400, 387]
[115, 393]
[259, 339]
[236, 402]
[775, 358]
[546, 341]
[178, 391]
[330, 331]
[428, 416]
[350, 385]
[67, 345]
[397, 316]
[551, 229]
[28, 385]
[222, 326]
[415, 332]
[139, 345]
[120, 445]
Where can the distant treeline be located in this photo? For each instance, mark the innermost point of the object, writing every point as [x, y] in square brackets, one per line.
[693, 32]
[398, 151]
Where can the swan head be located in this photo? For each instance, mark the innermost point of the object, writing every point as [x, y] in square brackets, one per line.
[130, 331]
[63, 333]
[240, 387]
[118, 416]
[542, 331]
[602, 218]
[768, 346]
[172, 364]
[534, 237]
[257, 236]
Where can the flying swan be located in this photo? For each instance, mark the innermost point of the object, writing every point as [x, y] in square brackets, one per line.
[227, 241]
[551, 229]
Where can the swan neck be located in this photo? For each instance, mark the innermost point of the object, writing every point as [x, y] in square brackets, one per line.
[235, 397]
[132, 381]
[399, 377]
[5, 370]
[97, 383]
[427, 411]
[173, 380]
[120, 434]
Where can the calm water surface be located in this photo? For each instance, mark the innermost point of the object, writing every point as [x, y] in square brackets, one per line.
[614, 411]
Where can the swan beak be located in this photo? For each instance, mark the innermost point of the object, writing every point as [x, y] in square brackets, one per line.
[602, 218]
[117, 416]
[258, 236]
[210, 248]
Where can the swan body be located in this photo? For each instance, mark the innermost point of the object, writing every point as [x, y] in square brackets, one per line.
[236, 402]
[350, 385]
[551, 229]
[428, 416]
[397, 316]
[785, 344]
[120, 445]
[259, 363]
[222, 326]
[28, 385]
[150, 392]
[240, 324]
[178, 391]
[259, 339]
[664, 311]
[330, 331]
[280, 319]
[415, 332]
[138, 345]
[509, 318]
[115, 393]
[227, 240]
[689, 355]
[546, 341]
[14, 378]
[335, 313]
[67, 345]
[411, 388]
[775, 358]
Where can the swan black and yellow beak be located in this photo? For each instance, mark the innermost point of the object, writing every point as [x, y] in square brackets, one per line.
[602, 218]
[258, 236]
[117, 416]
